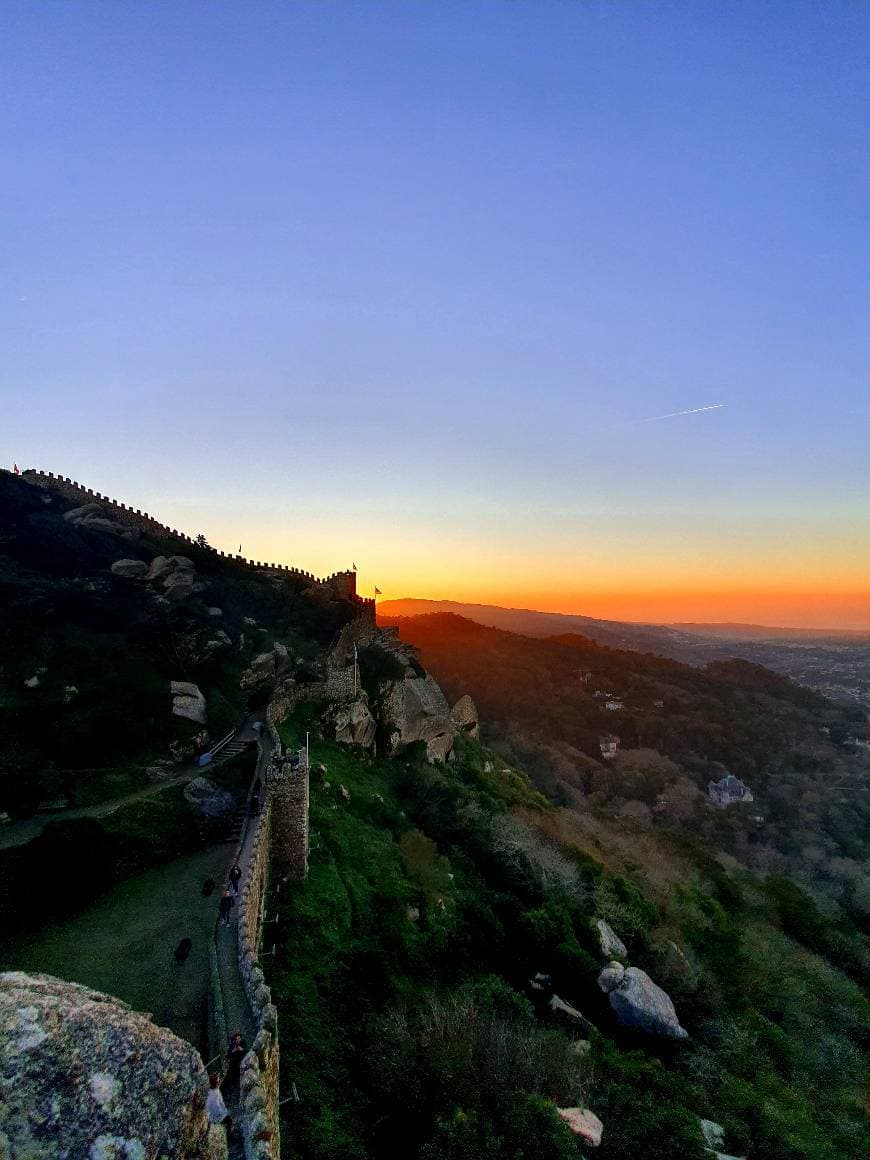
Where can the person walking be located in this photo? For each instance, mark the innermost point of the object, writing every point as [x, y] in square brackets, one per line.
[236, 1055]
[235, 878]
[225, 906]
[215, 1108]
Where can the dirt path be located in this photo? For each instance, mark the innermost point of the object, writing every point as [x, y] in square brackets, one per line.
[17, 833]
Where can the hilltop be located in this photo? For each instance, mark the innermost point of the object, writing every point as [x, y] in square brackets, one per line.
[101, 608]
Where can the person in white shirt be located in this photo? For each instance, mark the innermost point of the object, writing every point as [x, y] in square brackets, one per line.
[215, 1108]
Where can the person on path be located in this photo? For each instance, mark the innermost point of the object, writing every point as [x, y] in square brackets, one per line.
[254, 808]
[215, 1108]
[225, 906]
[236, 1055]
[235, 878]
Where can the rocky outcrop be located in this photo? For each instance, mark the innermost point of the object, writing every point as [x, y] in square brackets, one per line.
[265, 667]
[566, 1012]
[95, 517]
[611, 945]
[583, 1123]
[217, 643]
[352, 722]
[160, 567]
[129, 569]
[80, 514]
[83, 1075]
[638, 1003]
[714, 1139]
[187, 701]
[207, 799]
[415, 709]
[464, 717]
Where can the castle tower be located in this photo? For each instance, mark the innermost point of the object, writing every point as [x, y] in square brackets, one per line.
[288, 793]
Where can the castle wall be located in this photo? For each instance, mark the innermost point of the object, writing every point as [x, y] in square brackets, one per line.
[259, 1077]
[342, 583]
[288, 794]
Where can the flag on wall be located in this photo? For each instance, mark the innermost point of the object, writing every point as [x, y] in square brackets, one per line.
[354, 567]
[15, 469]
[378, 592]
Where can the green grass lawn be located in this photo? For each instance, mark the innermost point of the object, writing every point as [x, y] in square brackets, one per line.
[124, 943]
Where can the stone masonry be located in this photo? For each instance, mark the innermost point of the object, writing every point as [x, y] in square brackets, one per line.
[288, 796]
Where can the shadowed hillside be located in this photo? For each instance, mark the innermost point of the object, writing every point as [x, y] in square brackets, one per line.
[549, 703]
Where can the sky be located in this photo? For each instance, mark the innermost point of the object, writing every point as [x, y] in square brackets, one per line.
[413, 285]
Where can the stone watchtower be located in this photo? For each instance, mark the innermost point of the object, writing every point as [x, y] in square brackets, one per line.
[288, 793]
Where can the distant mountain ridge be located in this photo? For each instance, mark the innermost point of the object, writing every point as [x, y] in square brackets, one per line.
[833, 662]
[529, 622]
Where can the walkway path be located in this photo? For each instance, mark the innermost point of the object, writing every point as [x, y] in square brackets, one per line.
[237, 1010]
[17, 833]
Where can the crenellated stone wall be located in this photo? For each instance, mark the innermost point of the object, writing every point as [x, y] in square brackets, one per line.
[343, 584]
[259, 1078]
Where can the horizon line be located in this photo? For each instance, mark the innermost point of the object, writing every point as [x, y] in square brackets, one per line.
[640, 623]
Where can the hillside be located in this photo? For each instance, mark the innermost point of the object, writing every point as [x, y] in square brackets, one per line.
[97, 617]
[834, 663]
[549, 702]
[506, 946]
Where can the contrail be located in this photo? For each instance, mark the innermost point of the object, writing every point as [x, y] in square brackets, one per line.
[676, 414]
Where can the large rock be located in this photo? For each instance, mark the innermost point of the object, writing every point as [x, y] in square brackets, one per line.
[464, 717]
[282, 660]
[638, 1003]
[178, 585]
[129, 569]
[187, 701]
[260, 670]
[583, 1123]
[416, 710]
[565, 1011]
[353, 722]
[207, 799]
[216, 643]
[159, 568]
[611, 945]
[81, 1075]
[714, 1138]
[76, 515]
[97, 523]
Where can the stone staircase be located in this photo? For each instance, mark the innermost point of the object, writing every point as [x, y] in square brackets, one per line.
[232, 749]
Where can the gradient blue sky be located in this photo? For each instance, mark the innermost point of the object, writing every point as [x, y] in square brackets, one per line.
[400, 282]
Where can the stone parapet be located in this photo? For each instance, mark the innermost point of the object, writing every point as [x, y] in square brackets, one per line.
[343, 584]
[259, 1079]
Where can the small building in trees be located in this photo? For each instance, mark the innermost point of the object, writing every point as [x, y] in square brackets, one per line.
[728, 790]
[608, 744]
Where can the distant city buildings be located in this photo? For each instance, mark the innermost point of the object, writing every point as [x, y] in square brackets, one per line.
[728, 790]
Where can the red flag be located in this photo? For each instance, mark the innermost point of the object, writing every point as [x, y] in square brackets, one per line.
[15, 468]
[378, 592]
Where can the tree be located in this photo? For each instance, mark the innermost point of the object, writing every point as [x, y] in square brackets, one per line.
[201, 541]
